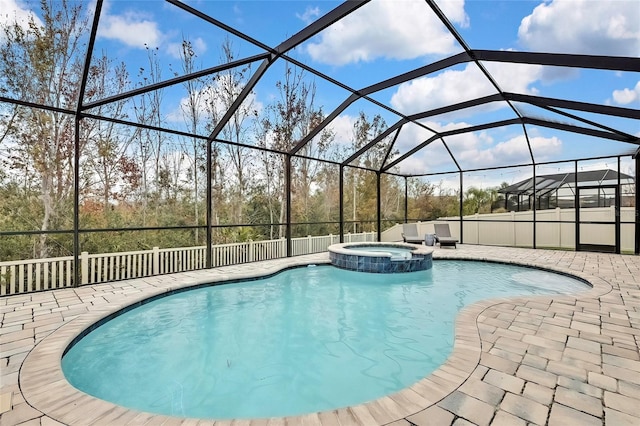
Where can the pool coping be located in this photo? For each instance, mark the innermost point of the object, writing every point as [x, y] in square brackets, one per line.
[352, 248]
[45, 388]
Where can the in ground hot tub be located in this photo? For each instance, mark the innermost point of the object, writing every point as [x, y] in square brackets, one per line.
[383, 258]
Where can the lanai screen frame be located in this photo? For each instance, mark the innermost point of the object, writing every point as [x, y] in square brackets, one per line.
[273, 54]
[553, 183]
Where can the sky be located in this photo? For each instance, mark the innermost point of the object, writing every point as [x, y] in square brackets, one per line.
[387, 37]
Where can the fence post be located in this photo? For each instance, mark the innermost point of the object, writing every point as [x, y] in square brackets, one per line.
[309, 245]
[84, 267]
[251, 245]
[156, 261]
[513, 227]
[559, 226]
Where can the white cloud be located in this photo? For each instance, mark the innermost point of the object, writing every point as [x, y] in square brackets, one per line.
[516, 151]
[454, 10]
[12, 11]
[445, 127]
[432, 158]
[132, 28]
[545, 149]
[448, 87]
[454, 86]
[310, 14]
[428, 160]
[583, 26]
[342, 127]
[198, 46]
[627, 96]
[398, 29]
[478, 150]
[466, 147]
[516, 78]
[410, 136]
[473, 152]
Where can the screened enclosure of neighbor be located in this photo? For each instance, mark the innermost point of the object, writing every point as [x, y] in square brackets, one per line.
[149, 137]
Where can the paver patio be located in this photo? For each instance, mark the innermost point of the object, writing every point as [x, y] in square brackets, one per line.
[542, 360]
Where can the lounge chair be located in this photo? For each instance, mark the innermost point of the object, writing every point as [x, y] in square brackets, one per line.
[410, 233]
[443, 235]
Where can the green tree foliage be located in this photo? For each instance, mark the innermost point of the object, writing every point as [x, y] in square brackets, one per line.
[429, 201]
[478, 200]
[42, 62]
[422, 201]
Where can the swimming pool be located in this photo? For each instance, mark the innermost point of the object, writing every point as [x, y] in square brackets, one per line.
[232, 351]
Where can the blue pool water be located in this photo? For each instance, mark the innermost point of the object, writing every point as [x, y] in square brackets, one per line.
[305, 340]
[397, 252]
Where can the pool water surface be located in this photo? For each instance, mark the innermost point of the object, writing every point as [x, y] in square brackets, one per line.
[394, 251]
[305, 340]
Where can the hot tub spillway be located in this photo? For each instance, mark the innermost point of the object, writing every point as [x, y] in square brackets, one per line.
[382, 258]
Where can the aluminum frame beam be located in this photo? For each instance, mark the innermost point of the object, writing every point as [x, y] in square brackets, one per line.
[320, 24]
[542, 101]
[598, 62]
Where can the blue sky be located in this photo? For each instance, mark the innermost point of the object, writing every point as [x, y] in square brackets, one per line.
[387, 37]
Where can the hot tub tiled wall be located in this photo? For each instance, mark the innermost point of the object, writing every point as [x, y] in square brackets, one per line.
[381, 264]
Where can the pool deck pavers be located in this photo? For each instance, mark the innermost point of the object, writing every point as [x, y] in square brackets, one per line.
[543, 360]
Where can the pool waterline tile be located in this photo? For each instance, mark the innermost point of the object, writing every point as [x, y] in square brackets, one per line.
[365, 260]
[431, 389]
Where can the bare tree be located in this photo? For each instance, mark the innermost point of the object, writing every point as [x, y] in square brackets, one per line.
[218, 164]
[227, 87]
[272, 176]
[306, 170]
[286, 122]
[149, 142]
[193, 112]
[365, 130]
[108, 161]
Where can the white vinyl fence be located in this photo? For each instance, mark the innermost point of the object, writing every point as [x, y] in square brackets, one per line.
[22, 276]
[516, 228]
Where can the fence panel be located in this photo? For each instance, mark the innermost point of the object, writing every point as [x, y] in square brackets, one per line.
[43, 274]
[25, 276]
[516, 228]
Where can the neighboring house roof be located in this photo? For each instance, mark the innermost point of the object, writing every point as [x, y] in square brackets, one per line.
[547, 183]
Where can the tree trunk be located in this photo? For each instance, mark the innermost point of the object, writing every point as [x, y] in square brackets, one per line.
[47, 203]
